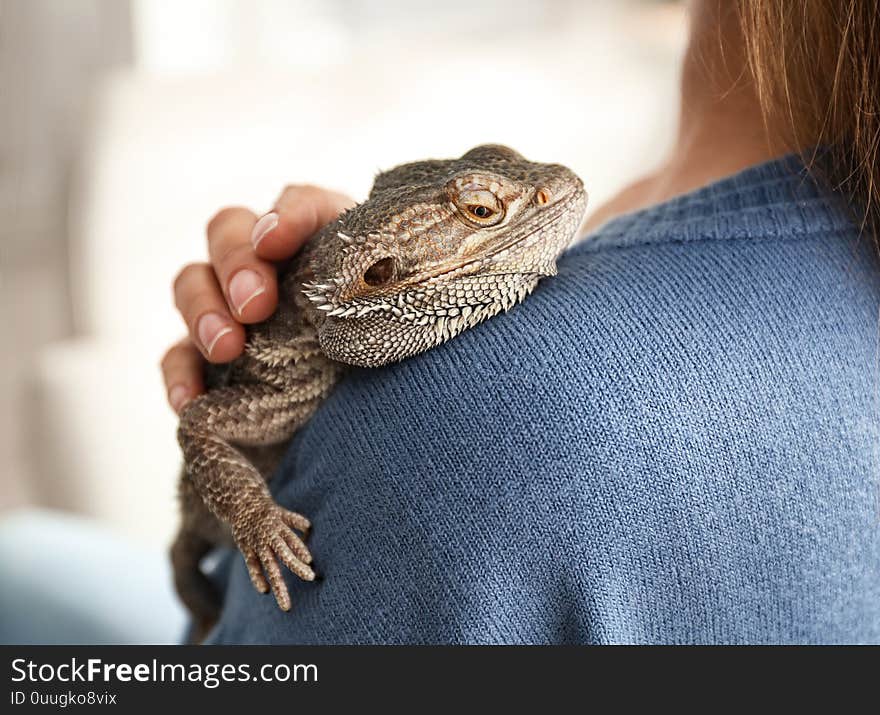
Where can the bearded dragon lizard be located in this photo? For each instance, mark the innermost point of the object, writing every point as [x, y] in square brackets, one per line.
[439, 246]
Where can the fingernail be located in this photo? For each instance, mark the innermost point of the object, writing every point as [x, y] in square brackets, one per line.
[178, 396]
[244, 287]
[211, 328]
[264, 225]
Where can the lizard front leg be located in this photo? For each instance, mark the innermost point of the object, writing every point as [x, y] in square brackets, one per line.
[234, 490]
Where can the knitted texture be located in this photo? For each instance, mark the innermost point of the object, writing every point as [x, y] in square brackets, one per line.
[674, 441]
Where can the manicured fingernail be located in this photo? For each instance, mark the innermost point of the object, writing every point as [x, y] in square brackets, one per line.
[211, 328]
[178, 396]
[264, 225]
[244, 287]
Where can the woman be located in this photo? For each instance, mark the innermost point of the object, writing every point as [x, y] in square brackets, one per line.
[682, 445]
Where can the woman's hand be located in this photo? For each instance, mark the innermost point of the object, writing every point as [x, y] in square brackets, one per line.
[238, 284]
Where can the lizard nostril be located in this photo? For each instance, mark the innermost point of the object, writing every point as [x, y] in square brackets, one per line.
[542, 197]
[380, 273]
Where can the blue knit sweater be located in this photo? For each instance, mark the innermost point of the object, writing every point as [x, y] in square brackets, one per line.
[674, 441]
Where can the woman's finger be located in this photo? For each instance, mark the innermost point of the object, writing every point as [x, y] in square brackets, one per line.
[182, 369]
[201, 303]
[249, 283]
[299, 213]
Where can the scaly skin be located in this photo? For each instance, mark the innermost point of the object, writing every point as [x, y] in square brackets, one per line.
[438, 247]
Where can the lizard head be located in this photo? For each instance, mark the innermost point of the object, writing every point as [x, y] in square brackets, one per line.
[438, 247]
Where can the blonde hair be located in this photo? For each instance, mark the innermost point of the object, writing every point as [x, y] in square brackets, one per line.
[816, 66]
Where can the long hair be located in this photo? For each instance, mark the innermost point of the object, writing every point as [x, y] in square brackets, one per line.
[816, 66]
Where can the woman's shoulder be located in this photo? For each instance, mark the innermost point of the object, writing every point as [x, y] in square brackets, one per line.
[681, 321]
[654, 337]
[664, 316]
[645, 423]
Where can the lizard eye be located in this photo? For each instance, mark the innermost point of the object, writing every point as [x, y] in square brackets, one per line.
[480, 206]
[380, 273]
[480, 211]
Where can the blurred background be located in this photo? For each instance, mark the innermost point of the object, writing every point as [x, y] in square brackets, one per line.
[125, 124]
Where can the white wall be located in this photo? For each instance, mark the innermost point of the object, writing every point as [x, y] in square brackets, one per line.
[50, 56]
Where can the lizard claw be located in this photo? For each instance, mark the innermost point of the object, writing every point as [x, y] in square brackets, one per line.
[268, 538]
